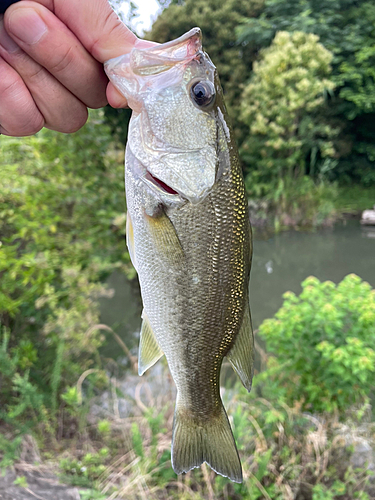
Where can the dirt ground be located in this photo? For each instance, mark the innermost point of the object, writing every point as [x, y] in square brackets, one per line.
[41, 485]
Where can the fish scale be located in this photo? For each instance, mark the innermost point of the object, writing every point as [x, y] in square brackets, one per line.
[189, 238]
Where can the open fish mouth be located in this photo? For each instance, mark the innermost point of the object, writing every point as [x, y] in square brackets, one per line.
[169, 194]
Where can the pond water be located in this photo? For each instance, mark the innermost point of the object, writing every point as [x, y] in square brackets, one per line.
[280, 263]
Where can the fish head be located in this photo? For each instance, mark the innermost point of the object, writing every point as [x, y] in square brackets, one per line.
[173, 91]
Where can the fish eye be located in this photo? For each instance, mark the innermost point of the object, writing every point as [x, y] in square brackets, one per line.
[203, 93]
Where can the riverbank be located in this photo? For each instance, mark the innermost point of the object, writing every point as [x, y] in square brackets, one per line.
[323, 208]
[122, 450]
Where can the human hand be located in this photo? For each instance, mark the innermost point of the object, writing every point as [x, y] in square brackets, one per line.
[51, 55]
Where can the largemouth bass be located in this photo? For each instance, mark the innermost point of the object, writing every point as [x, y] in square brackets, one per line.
[189, 238]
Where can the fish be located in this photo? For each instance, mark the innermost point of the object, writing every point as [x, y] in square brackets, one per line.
[189, 238]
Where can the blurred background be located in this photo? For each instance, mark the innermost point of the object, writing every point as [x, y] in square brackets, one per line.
[299, 84]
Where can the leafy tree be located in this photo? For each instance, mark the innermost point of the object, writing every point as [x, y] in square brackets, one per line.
[347, 29]
[282, 108]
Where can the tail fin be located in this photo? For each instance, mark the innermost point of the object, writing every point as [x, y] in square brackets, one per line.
[211, 442]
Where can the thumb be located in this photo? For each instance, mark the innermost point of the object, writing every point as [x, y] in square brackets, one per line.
[96, 26]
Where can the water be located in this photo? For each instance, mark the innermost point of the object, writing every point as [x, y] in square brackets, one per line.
[280, 263]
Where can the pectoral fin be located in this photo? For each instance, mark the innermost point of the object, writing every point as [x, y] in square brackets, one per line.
[130, 239]
[241, 354]
[165, 239]
[149, 349]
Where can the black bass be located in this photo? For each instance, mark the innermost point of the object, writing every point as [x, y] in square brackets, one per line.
[189, 238]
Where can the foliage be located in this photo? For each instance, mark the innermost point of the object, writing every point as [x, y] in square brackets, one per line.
[337, 490]
[346, 28]
[21, 481]
[9, 450]
[281, 107]
[287, 137]
[61, 233]
[351, 199]
[324, 341]
[86, 471]
[298, 203]
[91, 494]
[23, 401]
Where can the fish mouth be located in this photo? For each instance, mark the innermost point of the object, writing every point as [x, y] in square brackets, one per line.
[159, 184]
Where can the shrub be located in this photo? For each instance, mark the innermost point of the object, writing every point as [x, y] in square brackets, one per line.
[61, 233]
[324, 342]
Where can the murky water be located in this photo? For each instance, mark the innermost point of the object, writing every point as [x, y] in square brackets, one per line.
[280, 263]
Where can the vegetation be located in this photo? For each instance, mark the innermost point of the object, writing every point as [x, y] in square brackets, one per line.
[282, 106]
[299, 84]
[285, 453]
[61, 232]
[346, 29]
[324, 342]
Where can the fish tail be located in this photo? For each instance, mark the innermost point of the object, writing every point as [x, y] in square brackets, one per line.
[211, 441]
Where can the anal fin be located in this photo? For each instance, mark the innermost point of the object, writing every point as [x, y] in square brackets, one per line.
[149, 349]
[241, 354]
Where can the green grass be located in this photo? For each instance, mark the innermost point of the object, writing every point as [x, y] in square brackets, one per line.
[355, 199]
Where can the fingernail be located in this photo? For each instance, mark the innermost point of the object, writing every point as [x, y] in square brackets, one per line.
[5, 41]
[26, 25]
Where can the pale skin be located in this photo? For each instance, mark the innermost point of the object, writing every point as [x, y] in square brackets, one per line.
[51, 63]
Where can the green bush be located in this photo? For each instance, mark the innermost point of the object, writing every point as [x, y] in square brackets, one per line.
[324, 342]
[62, 216]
